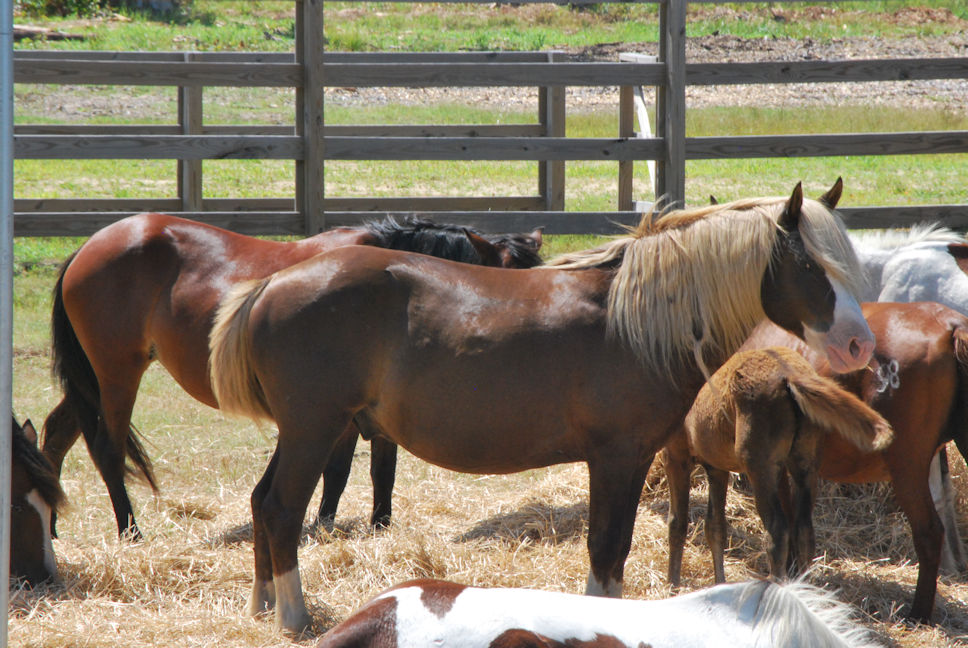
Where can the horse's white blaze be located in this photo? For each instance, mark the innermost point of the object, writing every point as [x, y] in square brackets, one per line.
[291, 613]
[609, 588]
[43, 510]
[849, 343]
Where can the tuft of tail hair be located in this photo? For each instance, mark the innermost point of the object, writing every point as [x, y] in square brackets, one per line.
[833, 408]
[72, 369]
[959, 420]
[236, 387]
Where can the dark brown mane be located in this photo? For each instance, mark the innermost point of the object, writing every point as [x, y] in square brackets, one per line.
[41, 474]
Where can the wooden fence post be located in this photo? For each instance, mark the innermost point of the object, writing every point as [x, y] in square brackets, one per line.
[671, 106]
[551, 113]
[309, 115]
[190, 119]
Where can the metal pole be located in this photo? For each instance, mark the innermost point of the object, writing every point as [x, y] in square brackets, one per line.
[6, 298]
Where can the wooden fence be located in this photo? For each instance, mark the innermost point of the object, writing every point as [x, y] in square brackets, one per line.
[309, 142]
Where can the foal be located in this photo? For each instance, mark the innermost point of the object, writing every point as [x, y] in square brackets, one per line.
[763, 413]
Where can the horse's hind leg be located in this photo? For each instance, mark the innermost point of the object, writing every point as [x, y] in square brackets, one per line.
[803, 472]
[383, 470]
[765, 480]
[716, 518]
[678, 467]
[302, 452]
[109, 452]
[914, 498]
[61, 430]
[263, 596]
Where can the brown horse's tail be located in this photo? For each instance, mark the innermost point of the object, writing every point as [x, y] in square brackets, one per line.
[82, 395]
[234, 382]
[826, 404]
[959, 417]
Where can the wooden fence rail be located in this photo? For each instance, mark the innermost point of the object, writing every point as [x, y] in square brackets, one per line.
[309, 142]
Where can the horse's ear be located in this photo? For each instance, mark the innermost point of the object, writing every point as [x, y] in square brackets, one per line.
[832, 197]
[790, 218]
[536, 237]
[712, 200]
[30, 432]
[488, 252]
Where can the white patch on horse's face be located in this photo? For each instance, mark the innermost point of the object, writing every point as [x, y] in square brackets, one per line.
[291, 613]
[43, 510]
[849, 343]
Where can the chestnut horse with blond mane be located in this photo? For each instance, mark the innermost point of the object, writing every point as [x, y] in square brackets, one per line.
[595, 358]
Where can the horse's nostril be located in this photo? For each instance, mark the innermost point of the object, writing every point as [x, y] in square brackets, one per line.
[854, 348]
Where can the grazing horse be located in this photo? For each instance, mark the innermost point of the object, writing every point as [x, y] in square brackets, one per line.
[924, 263]
[35, 493]
[756, 613]
[920, 386]
[595, 358]
[146, 288]
[763, 413]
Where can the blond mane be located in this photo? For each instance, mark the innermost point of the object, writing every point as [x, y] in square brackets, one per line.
[691, 277]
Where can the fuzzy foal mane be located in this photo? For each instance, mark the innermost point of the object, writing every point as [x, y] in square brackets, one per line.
[667, 292]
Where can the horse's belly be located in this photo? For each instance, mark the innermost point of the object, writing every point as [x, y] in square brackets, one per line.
[475, 448]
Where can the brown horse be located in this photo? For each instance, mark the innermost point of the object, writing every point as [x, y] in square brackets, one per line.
[486, 370]
[35, 493]
[921, 388]
[763, 413]
[146, 288]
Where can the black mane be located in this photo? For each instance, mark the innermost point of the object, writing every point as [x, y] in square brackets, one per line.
[448, 241]
[39, 469]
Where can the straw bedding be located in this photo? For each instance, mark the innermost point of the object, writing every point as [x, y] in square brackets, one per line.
[188, 582]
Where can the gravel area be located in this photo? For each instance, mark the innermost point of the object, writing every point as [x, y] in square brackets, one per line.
[952, 94]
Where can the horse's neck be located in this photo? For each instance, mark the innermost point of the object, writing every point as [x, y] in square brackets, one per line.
[872, 260]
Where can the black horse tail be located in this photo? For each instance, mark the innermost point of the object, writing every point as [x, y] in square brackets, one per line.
[958, 419]
[72, 369]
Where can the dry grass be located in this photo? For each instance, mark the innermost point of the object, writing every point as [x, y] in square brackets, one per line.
[187, 583]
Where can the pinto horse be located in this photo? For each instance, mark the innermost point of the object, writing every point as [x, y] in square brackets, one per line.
[35, 493]
[146, 288]
[763, 413]
[595, 358]
[757, 613]
[921, 387]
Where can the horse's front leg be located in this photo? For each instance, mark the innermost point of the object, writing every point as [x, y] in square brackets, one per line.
[383, 472]
[335, 476]
[615, 486]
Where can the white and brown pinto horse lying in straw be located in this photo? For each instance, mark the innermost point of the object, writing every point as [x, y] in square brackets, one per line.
[753, 614]
[764, 413]
[594, 358]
